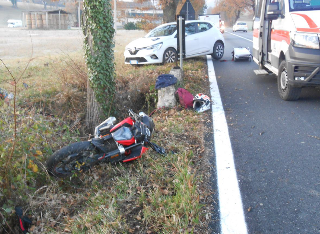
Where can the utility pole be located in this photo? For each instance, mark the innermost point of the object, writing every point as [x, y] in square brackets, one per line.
[187, 18]
[180, 42]
[79, 20]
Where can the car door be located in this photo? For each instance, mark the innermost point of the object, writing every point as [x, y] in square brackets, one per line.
[206, 38]
[192, 39]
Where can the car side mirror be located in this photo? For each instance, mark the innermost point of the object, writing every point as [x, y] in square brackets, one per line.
[273, 11]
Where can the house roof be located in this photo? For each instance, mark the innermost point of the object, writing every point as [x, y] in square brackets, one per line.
[49, 11]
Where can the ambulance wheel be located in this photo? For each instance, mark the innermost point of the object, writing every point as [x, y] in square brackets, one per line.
[218, 50]
[286, 91]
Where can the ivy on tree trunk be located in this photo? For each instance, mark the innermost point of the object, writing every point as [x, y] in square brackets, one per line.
[99, 33]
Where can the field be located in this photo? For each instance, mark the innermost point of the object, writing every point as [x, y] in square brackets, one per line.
[21, 44]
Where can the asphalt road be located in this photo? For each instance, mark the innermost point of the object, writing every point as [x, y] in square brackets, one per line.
[275, 144]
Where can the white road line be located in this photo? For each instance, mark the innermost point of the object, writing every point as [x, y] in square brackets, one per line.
[239, 36]
[232, 218]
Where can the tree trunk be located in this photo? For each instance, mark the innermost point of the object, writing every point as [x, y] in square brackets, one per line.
[238, 13]
[14, 3]
[98, 31]
[93, 107]
[169, 11]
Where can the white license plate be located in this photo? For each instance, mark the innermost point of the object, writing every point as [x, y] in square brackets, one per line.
[133, 61]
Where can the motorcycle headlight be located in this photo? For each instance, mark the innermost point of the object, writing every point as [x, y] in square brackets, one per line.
[153, 47]
[305, 40]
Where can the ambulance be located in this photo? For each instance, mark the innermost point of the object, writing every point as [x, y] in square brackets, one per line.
[215, 18]
[286, 35]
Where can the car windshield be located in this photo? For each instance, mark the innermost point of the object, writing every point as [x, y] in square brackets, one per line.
[163, 31]
[304, 5]
[241, 23]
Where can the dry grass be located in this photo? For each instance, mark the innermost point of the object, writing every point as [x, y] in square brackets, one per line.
[57, 71]
[152, 195]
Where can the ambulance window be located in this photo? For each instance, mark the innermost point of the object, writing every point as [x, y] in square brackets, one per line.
[291, 4]
[282, 7]
[281, 4]
[304, 5]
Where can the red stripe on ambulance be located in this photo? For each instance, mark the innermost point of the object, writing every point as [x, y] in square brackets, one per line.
[280, 35]
[313, 27]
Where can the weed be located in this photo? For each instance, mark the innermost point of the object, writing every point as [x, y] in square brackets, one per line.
[155, 194]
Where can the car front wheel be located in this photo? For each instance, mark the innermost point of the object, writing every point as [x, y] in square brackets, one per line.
[218, 50]
[170, 56]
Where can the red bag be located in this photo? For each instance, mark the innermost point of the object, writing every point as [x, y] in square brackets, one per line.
[185, 98]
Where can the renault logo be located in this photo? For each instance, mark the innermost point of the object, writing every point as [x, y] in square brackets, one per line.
[133, 50]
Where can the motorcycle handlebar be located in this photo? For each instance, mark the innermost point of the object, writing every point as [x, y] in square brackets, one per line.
[134, 115]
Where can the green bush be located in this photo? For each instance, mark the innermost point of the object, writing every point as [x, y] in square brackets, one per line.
[37, 137]
[130, 26]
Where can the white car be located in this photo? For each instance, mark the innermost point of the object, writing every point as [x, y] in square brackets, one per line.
[14, 23]
[240, 26]
[160, 44]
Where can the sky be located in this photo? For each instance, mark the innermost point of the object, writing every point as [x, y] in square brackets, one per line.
[210, 3]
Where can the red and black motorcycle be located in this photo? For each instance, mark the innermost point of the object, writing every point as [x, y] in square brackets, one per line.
[123, 142]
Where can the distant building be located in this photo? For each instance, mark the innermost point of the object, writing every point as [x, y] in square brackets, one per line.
[133, 12]
[47, 19]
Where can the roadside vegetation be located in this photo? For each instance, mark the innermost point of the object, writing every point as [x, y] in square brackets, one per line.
[155, 194]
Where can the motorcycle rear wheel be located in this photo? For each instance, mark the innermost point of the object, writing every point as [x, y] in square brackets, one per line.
[70, 159]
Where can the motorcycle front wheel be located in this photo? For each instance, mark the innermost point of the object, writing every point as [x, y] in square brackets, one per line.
[70, 159]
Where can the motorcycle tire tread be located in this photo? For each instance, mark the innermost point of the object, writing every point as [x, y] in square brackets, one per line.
[64, 152]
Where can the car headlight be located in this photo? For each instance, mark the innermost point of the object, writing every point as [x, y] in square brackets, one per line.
[153, 47]
[305, 40]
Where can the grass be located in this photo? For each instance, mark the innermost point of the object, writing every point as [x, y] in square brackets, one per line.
[154, 194]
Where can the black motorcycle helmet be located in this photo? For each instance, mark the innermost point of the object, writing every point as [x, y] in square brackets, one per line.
[148, 121]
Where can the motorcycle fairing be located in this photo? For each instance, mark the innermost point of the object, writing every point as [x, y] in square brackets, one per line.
[136, 153]
[128, 122]
[104, 127]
